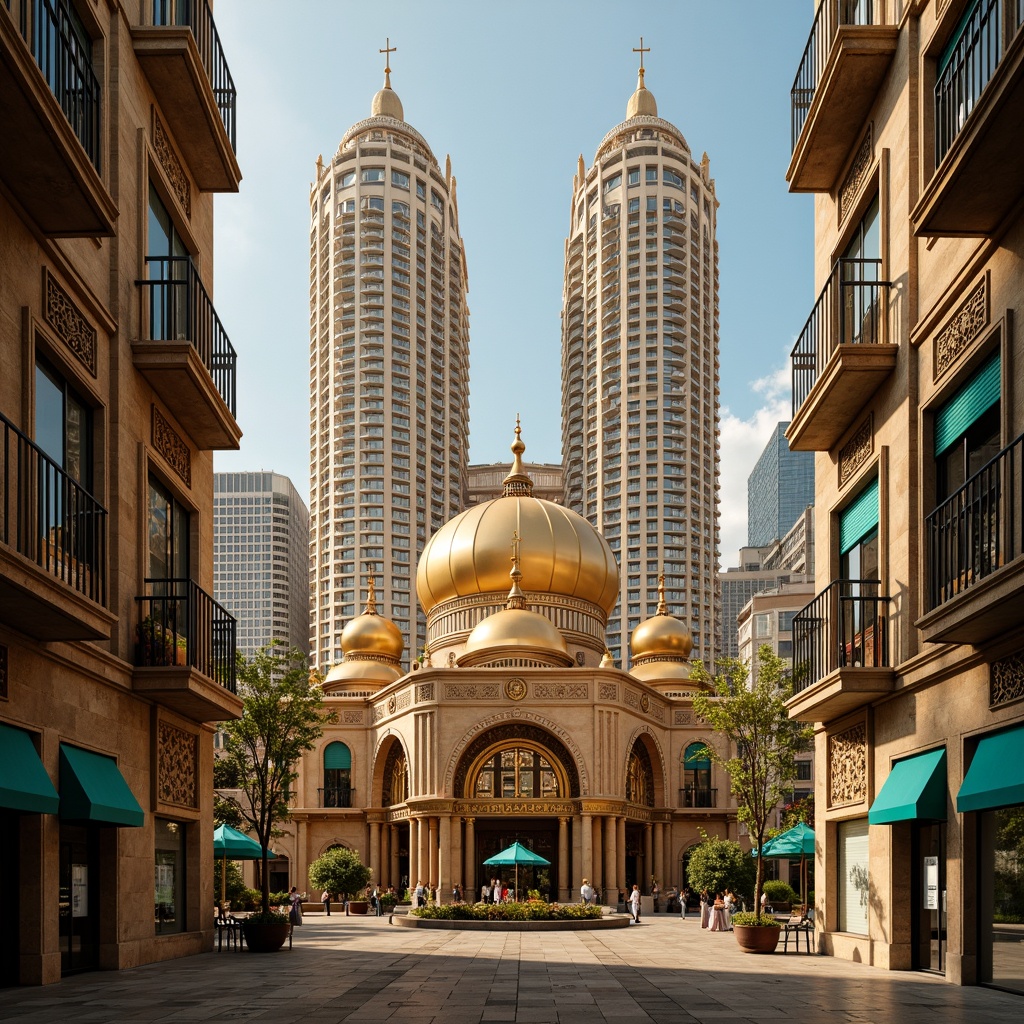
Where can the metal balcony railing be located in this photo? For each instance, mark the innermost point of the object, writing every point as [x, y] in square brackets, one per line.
[845, 626]
[196, 15]
[978, 528]
[831, 16]
[969, 63]
[48, 517]
[336, 796]
[64, 56]
[849, 311]
[180, 624]
[698, 796]
[180, 309]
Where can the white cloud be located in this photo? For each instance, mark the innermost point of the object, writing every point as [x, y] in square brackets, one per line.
[743, 440]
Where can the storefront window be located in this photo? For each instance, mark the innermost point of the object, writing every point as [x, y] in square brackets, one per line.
[169, 876]
[1001, 885]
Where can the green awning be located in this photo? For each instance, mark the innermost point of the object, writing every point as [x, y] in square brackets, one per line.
[914, 791]
[92, 788]
[996, 776]
[24, 784]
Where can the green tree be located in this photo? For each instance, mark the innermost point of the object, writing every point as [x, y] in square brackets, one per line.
[761, 740]
[339, 871]
[225, 811]
[281, 718]
[718, 864]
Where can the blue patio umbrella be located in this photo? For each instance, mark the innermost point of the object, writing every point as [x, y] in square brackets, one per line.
[517, 854]
[797, 841]
[230, 844]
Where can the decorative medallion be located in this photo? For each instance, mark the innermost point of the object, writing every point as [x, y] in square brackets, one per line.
[855, 177]
[856, 452]
[645, 703]
[172, 167]
[561, 691]
[848, 766]
[580, 658]
[177, 757]
[1006, 680]
[424, 691]
[170, 445]
[515, 688]
[69, 322]
[962, 328]
[392, 704]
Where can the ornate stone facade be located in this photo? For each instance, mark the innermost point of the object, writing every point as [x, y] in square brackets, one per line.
[170, 445]
[961, 329]
[1006, 680]
[177, 766]
[855, 177]
[69, 323]
[848, 766]
[856, 452]
[172, 166]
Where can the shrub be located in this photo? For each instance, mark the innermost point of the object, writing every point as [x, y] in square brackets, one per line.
[531, 910]
[339, 870]
[747, 918]
[780, 892]
[247, 899]
[719, 864]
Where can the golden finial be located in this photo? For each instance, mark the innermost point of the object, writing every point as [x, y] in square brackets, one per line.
[371, 595]
[641, 49]
[426, 657]
[389, 49]
[515, 595]
[607, 661]
[662, 606]
[518, 483]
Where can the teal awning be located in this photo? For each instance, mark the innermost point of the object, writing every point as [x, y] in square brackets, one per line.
[24, 784]
[859, 518]
[337, 755]
[914, 791]
[996, 776]
[92, 788]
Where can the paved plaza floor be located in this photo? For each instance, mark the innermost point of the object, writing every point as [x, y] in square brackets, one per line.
[362, 969]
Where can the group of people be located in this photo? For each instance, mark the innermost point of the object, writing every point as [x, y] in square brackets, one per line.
[716, 912]
[496, 891]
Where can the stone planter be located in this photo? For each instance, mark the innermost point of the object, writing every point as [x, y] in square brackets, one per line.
[752, 938]
[358, 906]
[265, 937]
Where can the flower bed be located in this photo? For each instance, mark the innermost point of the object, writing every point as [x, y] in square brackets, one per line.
[531, 910]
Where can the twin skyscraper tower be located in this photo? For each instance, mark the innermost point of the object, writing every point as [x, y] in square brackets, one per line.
[389, 369]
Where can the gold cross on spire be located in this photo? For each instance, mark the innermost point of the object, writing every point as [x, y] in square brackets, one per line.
[389, 49]
[641, 49]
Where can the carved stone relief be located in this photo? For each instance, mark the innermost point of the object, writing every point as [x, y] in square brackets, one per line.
[1006, 680]
[962, 328]
[167, 442]
[608, 691]
[424, 691]
[171, 166]
[177, 757]
[561, 691]
[856, 452]
[352, 717]
[471, 691]
[683, 718]
[855, 177]
[848, 766]
[69, 322]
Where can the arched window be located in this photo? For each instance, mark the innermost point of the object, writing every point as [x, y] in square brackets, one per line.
[516, 772]
[640, 776]
[337, 791]
[697, 791]
[396, 777]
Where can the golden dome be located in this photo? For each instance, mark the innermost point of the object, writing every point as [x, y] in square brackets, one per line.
[371, 633]
[563, 553]
[386, 102]
[662, 636]
[379, 673]
[642, 101]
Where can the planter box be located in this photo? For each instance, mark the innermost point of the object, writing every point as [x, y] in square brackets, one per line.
[357, 906]
[263, 937]
[753, 939]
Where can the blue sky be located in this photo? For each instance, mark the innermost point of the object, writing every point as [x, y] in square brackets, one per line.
[514, 91]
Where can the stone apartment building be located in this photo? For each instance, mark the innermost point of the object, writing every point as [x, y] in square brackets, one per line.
[117, 384]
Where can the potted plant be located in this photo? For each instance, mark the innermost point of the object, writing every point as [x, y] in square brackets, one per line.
[341, 871]
[760, 759]
[156, 642]
[281, 718]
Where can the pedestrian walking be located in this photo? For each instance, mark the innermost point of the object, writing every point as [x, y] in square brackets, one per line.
[634, 904]
[586, 892]
[325, 899]
[419, 897]
[295, 900]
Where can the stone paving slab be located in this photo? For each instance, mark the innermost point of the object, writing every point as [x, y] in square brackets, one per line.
[665, 971]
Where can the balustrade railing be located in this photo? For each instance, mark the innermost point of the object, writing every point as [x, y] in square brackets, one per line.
[832, 14]
[180, 624]
[978, 528]
[850, 311]
[698, 796]
[336, 796]
[845, 626]
[48, 517]
[180, 309]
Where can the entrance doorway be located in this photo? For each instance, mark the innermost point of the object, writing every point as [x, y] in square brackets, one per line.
[928, 896]
[79, 898]
[635, 858]
[539, 836]
[10, 872]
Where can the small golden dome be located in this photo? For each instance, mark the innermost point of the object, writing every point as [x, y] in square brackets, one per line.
[642, 101]
[516, 631]
[662, 635]
[386, 102]
[379, 673]
[371, 633]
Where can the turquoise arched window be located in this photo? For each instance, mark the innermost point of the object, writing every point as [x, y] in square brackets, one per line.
[337, 791]
[697, 791]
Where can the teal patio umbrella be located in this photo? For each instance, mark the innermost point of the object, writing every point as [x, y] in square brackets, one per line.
[795, 842]
[230, 844]
[517, 854]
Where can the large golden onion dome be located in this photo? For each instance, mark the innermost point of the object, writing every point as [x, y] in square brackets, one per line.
[371, 648]
[660, 646]
[517, 634]
[563, 553]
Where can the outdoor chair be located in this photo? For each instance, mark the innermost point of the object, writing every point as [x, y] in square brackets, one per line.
[799, 924]
[229, 931]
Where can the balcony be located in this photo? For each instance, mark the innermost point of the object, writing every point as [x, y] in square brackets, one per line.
[181, 55]
[53, 547]
[185, 651]
[698, 796]
[846, 58]
[979, 122]
[975, 541]
[336, 796]
[186, 354]
[840, 651]
[51, 106]
[841, 356]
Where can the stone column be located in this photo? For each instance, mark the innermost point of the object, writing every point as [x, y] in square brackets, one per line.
[586, 856]
[469, 879]
[659, 854]
[385, 855]
[374, 852]
[419, 862]
[564, 893]
[648, 860]
[620, 849]
[432, 852]
[611, 868]
[444, 860]
[597, 854]
[395, 876]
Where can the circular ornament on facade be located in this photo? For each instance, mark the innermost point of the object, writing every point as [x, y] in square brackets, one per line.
[645, 703]
[392, 704]
[515, 689]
